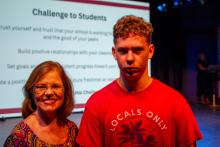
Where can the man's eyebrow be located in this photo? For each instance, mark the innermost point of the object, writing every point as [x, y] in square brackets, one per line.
[122, 48]
[138, 47]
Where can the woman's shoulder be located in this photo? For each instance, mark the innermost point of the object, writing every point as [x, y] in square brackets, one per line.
[21, 129]
[70, 123]
[72, 132]
[72, 127]
[18, 135]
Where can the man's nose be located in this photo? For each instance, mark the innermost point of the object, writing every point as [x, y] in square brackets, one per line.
[130, 57]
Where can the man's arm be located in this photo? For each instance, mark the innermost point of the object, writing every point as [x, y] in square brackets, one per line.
[90, 131]
[193, 145]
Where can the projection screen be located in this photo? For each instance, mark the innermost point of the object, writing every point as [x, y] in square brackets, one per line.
[76, 33]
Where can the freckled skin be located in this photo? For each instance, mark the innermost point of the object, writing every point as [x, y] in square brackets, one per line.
[50, 100]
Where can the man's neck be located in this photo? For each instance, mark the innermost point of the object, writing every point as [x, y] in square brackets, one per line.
[134, 86]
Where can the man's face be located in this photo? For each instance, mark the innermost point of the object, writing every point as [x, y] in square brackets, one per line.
[132, 55]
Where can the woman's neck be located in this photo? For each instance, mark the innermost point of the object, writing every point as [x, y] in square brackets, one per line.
[45, 119]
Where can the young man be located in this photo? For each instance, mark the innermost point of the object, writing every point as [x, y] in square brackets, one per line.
[135, 109]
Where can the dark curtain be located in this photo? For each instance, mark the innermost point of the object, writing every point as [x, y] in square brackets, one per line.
[169, 59]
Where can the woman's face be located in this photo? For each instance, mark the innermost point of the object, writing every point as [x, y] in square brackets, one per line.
[49, 92]
[202, 56]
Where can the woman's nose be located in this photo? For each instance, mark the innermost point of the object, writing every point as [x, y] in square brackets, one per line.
[49, 91]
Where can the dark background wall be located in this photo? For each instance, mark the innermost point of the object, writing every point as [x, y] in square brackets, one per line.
[180, 33]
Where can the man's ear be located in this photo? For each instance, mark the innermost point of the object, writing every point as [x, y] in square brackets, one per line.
[113, 52]
[151, 51]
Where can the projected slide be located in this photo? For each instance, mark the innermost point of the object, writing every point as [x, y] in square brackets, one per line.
[77, 34]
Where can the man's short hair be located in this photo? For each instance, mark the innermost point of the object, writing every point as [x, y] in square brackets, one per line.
[130, 25]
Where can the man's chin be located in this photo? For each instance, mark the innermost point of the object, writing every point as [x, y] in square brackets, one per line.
[132, 77]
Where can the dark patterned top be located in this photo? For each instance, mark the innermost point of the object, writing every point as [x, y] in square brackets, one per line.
[23, 136]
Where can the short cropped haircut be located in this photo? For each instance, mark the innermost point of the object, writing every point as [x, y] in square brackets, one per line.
[130, 25]
[29, 106]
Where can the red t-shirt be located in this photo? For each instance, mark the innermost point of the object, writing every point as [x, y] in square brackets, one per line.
[158, 116]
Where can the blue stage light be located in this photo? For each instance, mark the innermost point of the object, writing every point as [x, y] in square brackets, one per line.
[177, 3]
[162, 7]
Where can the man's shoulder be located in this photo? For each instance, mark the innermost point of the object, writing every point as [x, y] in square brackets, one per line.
[164, 88]
[162, 85]
[169, 94]
[105, 90]
[102, 94]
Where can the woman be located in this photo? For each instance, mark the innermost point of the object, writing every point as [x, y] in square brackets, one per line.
[48, 102]
[203, 79]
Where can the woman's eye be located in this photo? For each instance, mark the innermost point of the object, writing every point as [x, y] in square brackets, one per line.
[41, 87]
